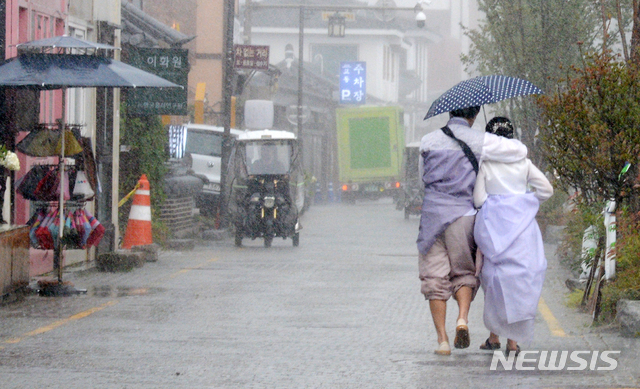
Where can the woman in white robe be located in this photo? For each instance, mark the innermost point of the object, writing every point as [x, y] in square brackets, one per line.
[509, 238]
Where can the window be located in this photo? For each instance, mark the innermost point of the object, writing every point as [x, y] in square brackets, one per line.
[268, 157]
[390, 59]
[204, 143]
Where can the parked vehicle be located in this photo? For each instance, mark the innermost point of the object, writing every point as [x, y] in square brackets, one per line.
[410, 200]
[202, 155]
[266, 186]
[370, 147]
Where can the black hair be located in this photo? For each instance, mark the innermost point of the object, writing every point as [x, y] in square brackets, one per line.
[500, 126]
[467, 113]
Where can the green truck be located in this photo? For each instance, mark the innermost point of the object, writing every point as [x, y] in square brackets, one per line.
[370, 147]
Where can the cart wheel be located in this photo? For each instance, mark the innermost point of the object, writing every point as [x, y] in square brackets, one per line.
[296, 239]
[406, 212]
[267, 241]
[238, 239]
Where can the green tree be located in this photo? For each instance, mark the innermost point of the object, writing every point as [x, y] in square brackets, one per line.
[531, 39]
[591, 128]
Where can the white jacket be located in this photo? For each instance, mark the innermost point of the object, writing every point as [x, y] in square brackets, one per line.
[495, 178]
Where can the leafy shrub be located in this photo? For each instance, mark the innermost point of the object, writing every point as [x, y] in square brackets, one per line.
[147, 140]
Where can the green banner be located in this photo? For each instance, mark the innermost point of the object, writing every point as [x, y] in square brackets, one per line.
[170, 64]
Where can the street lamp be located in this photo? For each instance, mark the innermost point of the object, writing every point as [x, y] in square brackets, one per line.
[421, 17]
[337, 25]
[288, 55]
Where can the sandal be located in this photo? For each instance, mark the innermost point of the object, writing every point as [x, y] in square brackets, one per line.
[516, 351]
[462, 339]
[487, 345]
[443, 349]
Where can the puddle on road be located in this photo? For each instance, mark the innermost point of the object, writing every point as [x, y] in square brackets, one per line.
[120, 291]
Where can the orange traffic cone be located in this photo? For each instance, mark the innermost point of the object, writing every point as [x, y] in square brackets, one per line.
[139, 225]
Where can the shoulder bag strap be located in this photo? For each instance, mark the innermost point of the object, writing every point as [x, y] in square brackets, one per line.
[467, 150]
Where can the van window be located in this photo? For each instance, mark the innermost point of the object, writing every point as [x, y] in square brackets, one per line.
[204, 143]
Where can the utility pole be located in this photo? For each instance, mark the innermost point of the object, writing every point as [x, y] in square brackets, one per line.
[248, 8]
[300, 76]
[229, 13]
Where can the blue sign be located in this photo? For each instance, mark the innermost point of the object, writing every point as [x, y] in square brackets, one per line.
[353, 82]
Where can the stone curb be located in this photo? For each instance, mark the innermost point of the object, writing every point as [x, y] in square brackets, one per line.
[628, 316]
[120, 260]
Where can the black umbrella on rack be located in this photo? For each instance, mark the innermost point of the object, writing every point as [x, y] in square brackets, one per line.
[65, 62]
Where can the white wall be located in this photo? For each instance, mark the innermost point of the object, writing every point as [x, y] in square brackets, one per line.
[370, 49]
[108, 10]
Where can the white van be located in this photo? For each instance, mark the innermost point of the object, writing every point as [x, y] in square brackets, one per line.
[203, 157]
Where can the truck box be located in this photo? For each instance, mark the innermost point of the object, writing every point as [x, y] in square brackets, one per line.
[370, 149]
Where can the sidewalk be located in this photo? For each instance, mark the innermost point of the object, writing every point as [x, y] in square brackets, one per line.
[578, 326]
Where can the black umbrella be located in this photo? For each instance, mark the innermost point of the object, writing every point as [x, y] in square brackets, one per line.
[479, 91]
[58, 71]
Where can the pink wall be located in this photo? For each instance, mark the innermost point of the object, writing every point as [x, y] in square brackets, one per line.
[28, 20]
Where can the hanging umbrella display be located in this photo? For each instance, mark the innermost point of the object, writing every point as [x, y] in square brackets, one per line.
[480, 91]
[44, 142]
[66, 62]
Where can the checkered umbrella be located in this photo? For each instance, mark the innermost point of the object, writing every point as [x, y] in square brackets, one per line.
[479, 91]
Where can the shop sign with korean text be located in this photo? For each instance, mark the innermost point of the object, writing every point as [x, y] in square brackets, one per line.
[170, 64]
[251, 57]
[353, 82]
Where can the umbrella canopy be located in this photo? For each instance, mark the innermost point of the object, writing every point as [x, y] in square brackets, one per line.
[62, 44]
[56, 71]
[479, 91]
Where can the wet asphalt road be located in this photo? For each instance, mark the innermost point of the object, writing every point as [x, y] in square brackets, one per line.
[343, 310]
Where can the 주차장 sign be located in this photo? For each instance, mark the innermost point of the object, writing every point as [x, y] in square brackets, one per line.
[170, 64]
[353, 82]
[251, 57]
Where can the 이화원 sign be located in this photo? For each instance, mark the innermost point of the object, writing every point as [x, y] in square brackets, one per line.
[170, 64]
[353, 82]
[251, 57]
